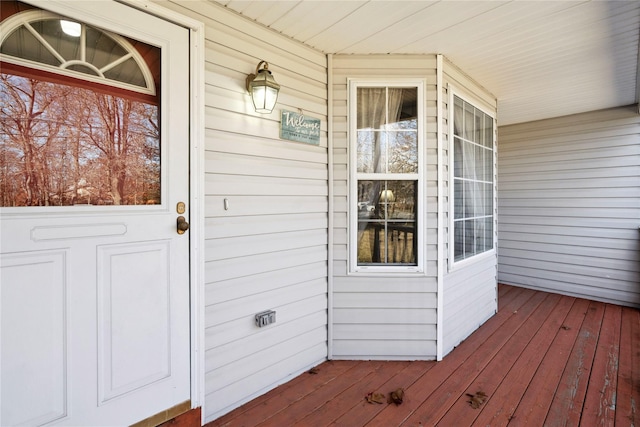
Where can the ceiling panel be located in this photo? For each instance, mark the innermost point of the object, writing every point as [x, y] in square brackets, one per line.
[540, 59]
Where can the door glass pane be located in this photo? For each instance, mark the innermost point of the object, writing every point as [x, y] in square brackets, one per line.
[62, 145]
[68, 141]
[21, 43]
[62, 45]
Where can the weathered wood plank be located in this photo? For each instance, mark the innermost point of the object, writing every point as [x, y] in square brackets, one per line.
[542, 360]
[354, 394]
[502, 403]
[600, 403]
[455, 409]
[482, 347]
[568, 401]
[628, 394]
[299, 409]
[534, 404]
[506, 302]
[362, 413]
[261, 407]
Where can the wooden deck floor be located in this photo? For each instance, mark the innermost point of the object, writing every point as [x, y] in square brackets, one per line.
[543, 359]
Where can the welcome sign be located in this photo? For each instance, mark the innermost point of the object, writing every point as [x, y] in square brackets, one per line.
[296, 127]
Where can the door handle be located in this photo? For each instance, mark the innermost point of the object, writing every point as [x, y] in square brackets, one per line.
[182, 225]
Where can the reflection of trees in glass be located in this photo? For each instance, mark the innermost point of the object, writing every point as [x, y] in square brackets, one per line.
[403, 147]
[62, 145]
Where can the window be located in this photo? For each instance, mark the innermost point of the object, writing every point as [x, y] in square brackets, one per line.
[52, 43]
[473, 180]
[80, 116]
[386, 141]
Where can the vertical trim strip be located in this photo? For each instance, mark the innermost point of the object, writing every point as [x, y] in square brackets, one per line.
[440, 279]
[637, 81]
[331, 213]
[197, 59]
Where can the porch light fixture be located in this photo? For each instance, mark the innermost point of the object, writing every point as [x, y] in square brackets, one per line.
[387, 196]
[263, 88]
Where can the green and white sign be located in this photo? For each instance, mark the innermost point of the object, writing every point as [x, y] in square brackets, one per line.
[296, 127]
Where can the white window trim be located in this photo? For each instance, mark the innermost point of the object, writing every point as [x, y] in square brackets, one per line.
[452, 263]
[352, 198]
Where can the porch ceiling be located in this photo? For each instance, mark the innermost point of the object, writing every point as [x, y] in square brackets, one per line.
[540, 59]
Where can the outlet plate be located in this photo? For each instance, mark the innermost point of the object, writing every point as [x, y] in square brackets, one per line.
[265, 318]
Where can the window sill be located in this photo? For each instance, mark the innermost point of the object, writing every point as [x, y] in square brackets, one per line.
[387, 272]
[457, 265]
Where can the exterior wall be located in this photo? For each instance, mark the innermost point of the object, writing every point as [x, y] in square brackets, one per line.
[569, 197]
[470, 287]
[269, 249]
[380, 316]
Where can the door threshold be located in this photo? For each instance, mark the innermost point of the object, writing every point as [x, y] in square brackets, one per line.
[166, 415]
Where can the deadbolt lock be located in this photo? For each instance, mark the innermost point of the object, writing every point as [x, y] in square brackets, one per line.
[181, 208]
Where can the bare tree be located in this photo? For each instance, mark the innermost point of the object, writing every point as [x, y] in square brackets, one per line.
[63, 145]
[26, 132]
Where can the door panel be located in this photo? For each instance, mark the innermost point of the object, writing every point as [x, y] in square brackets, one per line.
[94, 298]
[133, 350]
[34, 283]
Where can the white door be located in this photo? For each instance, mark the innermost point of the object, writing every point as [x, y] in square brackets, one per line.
[94, 277]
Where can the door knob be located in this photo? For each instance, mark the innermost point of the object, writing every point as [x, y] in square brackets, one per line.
[182, 225]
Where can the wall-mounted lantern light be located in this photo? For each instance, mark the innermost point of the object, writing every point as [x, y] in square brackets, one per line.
[387, 196]
[263, 89]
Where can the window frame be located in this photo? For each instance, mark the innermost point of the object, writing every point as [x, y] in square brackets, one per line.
[452, 263]
[354, 176]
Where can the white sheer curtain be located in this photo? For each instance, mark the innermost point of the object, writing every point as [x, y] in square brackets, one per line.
[377, 107]
[473, 176]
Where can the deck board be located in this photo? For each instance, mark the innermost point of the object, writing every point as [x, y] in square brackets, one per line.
[500, 351]
[343, 401]
[543, 359]
[500, 408]
[628, 394]
[536, 400]
[566, 408]
[363, 412]
[600, 402]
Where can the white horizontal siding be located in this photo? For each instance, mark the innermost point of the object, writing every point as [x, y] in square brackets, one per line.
[265, 213]
[470, 288]
[462, 314]
[382, 316]
[569, 205]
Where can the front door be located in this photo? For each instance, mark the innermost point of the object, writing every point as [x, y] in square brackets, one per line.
[94, 175]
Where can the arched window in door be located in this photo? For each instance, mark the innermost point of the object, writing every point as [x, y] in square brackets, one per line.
[49, 42]
[80, 113]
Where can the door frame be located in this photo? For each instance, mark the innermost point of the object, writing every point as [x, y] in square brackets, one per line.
[196, 178]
